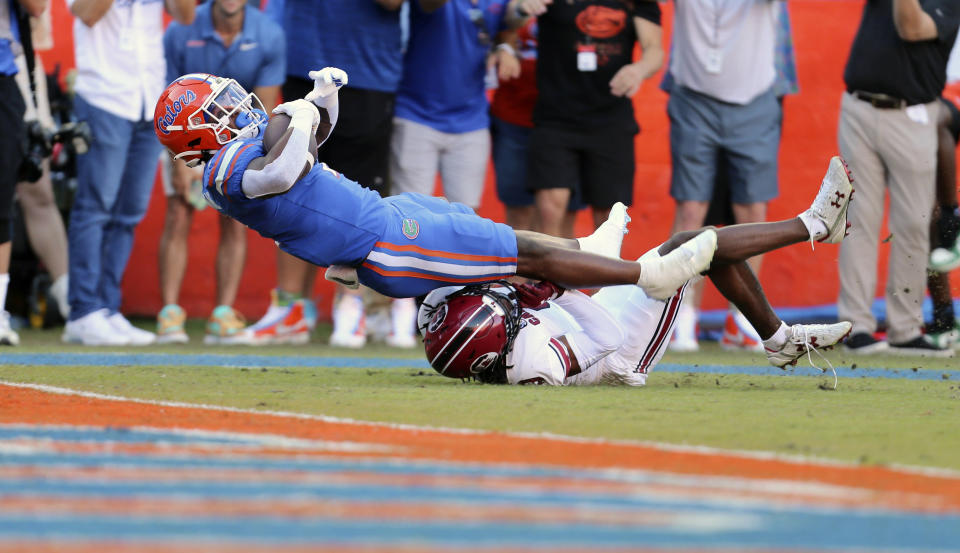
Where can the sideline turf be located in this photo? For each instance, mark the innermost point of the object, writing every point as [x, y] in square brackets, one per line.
[866, 420]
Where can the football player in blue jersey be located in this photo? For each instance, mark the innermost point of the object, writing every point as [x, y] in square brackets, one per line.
[400, 246]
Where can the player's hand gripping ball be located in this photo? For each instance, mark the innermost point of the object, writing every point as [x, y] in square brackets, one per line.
[276, 126]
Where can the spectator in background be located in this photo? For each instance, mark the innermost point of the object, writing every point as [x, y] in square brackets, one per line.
[441, 121]
[11, 143]
[944, 329]
[737, 331]
[584, 122]
[41, 217]
[511, 122]
[120, 74]
[888, 135]
[229, 39]
[362, 37]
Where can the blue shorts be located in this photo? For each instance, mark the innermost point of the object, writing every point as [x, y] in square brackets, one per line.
[510, 162]
[703, 128]
[433, 243]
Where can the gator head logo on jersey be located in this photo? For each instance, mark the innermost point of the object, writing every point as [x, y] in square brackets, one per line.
[472, 330]
[601, 22]
[411, 228]
[198, 114]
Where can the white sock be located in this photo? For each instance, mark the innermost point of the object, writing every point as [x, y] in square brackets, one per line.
[403, 316]
[4, 283]
[348, 314]
[58, 291]
[816, 227]
[778, 339]
[602, 241]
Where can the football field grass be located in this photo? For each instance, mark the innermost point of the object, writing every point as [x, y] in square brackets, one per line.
[899, 418]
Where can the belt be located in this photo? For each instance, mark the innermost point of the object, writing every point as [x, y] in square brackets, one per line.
[880, 101]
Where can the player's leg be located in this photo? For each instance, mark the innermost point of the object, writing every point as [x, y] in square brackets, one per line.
[648, 324]
[542, 258]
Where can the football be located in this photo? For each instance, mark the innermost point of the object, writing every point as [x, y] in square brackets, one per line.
[276, 126]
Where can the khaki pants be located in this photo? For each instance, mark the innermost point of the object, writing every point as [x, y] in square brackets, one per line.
[885, 149]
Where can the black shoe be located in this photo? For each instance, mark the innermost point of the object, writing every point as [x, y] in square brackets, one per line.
[921, 346]
[864, 343]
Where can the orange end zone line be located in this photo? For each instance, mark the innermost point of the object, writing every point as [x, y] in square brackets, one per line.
[28, 405]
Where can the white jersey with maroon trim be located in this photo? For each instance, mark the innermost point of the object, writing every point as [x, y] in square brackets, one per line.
[538, 356]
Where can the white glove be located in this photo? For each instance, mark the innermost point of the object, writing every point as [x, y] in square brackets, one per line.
[305, 109]
[326, 83]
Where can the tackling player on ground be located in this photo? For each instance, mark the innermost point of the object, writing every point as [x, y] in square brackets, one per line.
[541, 334]
[401, 246]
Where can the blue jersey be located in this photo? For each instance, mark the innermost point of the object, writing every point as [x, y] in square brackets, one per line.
[402, 246]
[325, 218]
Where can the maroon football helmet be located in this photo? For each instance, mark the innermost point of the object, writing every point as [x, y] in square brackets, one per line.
[469, 334]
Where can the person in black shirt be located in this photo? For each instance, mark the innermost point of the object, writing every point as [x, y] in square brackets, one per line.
[583, 120]
[888, 135]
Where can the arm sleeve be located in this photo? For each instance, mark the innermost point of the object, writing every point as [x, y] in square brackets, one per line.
[279, 175]
[601, 334]
[946, 16]
[648, 10]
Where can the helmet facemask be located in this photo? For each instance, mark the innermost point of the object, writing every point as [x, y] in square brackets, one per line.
[230, 112]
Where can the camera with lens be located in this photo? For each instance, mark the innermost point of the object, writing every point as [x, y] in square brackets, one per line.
[61, 146]
[39, 147]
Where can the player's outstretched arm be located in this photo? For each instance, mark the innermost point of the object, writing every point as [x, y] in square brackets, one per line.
[601, 334]
[326, 84]
[289, 159]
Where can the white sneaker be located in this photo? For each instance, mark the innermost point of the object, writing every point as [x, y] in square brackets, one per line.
[662, 276]
[685, 331]
[830, 205]
[93, 329]
[8, 336]
[944, 260]
[403, 319]
[608, 238]
[803, 339]
[136, 336]
[349, 322]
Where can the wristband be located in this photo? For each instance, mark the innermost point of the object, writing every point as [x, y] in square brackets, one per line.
[507, 48]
